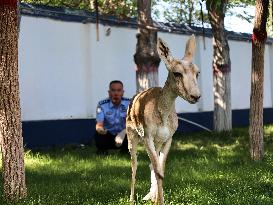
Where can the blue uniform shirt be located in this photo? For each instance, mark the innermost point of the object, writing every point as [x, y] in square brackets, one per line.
[113, 117]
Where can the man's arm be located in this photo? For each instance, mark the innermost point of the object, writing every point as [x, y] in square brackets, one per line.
[100, 129]
[100, 119]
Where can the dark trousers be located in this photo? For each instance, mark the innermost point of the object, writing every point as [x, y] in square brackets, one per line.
[107, 141]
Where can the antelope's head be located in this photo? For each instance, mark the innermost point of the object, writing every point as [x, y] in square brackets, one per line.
[183, 73]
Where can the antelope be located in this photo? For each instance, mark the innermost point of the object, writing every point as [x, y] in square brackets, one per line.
[152, 119]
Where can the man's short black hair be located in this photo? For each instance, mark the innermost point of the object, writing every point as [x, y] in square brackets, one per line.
[115, 81]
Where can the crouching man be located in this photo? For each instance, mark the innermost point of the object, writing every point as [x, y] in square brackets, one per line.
[111, 117]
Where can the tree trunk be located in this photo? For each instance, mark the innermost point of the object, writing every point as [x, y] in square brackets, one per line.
[222, 117]
[191, 9]
[257, 79]
[146, 57]
[10, 115]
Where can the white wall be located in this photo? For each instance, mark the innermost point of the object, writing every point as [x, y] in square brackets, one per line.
[65, 71]
[270, 57]
[52, 66]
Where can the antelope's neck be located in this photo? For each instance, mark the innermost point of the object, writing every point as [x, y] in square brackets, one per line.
[166, 101]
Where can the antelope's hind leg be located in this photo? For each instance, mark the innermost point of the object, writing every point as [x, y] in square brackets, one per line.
[151, 150]
[132, 146]
[162, 161]
[152, 195]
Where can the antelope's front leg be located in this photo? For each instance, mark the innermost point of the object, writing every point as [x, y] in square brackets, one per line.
[163, 154]
[150, 148]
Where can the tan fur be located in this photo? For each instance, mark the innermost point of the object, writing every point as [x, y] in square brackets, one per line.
[152, 119]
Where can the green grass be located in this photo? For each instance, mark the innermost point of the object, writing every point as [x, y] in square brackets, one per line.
[202, 168]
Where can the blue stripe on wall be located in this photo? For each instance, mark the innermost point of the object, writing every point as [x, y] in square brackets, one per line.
[57, 132]
[60, 132]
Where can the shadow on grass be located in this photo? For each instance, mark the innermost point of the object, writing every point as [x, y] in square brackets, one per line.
[79, 176]
[202, 168]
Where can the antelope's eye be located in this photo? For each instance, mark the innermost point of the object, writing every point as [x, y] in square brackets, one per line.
[197, 74]
[176, 74]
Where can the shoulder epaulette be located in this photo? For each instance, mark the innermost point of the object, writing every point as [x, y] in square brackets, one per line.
[104, 101]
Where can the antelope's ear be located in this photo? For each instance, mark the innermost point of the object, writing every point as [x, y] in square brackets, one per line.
[190, 49]
[164, 52]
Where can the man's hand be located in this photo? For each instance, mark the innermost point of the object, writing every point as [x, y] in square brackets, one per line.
[120, 137]
[100, 129]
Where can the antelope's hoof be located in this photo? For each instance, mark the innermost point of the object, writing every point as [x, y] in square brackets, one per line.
[147, 197]
[150, 196]
[132, 202]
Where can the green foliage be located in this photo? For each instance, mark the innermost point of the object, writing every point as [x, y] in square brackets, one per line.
[79, 4]
[202, 168]
[182, 11]
[270, 20]
[178, 11]
[214, 5]
[119, 8]
[242, 2]
[189, 11]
